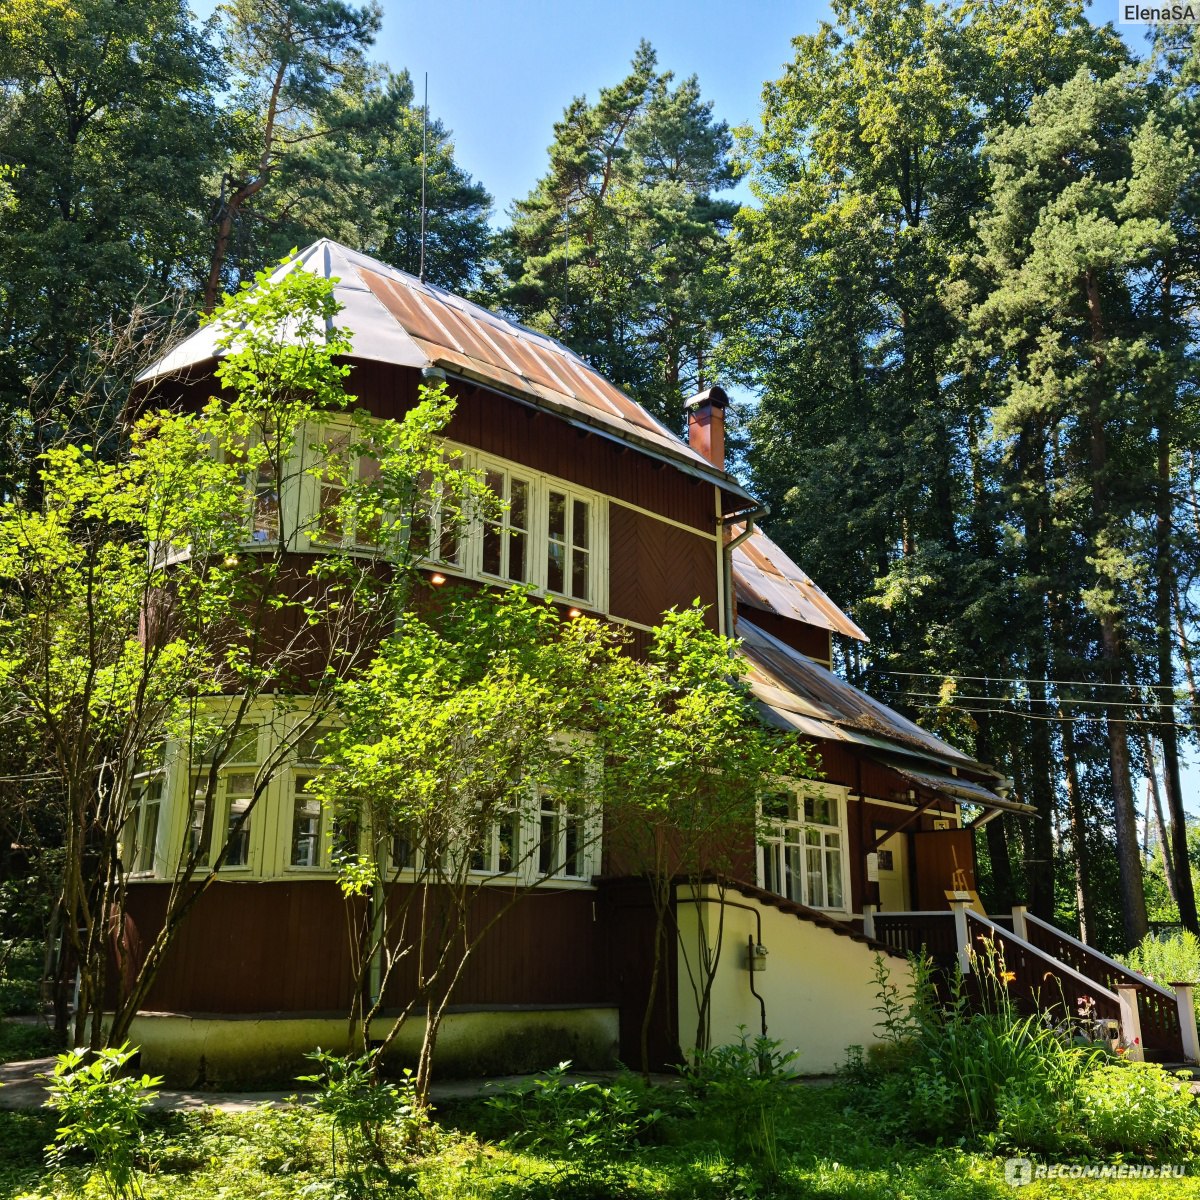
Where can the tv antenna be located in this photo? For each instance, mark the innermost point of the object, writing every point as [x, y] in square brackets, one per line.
[424, 153]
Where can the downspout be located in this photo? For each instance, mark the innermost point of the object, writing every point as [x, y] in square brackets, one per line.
[749, 515]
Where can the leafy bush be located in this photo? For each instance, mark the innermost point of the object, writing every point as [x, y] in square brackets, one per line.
[1137, 1108]
[1022, 1081]
[745, 1087]
[20, 977]
[368, 1114]
[21, 1042]
[579, 1119]
[100, 1112]
[1168, 957]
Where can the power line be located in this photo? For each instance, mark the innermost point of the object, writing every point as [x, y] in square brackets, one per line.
[1011, 679]
[1002, 712]
[1144, 704]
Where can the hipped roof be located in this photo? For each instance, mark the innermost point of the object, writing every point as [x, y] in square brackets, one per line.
[395, 318]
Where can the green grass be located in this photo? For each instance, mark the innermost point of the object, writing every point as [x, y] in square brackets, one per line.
[827, 1148]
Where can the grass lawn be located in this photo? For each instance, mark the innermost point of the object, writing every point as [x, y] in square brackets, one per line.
[823, 1146]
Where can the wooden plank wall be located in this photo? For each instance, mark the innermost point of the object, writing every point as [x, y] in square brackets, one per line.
[284, 946]
[654, 566]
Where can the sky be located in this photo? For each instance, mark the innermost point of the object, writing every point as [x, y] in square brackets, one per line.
[501, 73]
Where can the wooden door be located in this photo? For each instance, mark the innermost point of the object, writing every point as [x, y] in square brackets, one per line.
[945, 862]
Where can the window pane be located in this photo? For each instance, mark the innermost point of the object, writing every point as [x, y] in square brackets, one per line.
[546, 846]
[238, 834]
[516, 557]
[306, 825]
[555, 571]
[244, 747]
[816, 891]
[821, 810]
[264, 503]
[149, 835]
[579, 525]
[558, 516]
[833, 878]
[491, 548]
[579, 574]
[518, 507]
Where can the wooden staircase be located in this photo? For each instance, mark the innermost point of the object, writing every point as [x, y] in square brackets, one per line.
[1044, 969]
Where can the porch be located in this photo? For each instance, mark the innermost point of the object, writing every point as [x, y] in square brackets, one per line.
[1042, 968]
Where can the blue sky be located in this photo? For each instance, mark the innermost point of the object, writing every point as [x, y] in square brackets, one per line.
[500, 74]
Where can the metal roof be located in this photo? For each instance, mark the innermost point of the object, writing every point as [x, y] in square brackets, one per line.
[796, 693]
[765, 577]
[395, 318]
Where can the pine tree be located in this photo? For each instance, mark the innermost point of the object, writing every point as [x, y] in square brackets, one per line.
[619, 251]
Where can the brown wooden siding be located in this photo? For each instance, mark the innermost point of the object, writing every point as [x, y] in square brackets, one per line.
[284, 946]
[629, 924]
[281, 946]
[542, 441]
[654, 567]
[546, 949]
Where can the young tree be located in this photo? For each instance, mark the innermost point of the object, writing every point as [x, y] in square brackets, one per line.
[498, 740]
[159, 599]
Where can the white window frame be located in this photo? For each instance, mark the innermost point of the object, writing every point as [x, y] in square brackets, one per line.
[147, 821]
[233, 767]
[470, 543]
[784, 837]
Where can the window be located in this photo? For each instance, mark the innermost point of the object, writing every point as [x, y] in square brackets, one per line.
[802, 848]
[306, 823]
[567, 832]
[337, 471]
[235, 793]
[147, 810]
[569, 539]
[313, 833]
[260, 486]
[506, 535]
[545, 533]
[500, 851]
[435, 532]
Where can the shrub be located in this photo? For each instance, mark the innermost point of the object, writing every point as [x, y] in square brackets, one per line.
[1137, 1108]
[365, 1112]
[100, 1112]
[744, 1087]
[578, 1119]
[1168, 957]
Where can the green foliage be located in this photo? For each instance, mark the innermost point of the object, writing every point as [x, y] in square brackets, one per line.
[107, 137]
[1168, 958]
[619, 250]
[100, 1112]
[367, 1114]
[745, 1087]
[1025, 1082]
[580, 1120]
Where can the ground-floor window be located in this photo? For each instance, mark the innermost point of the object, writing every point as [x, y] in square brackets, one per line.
[802, 848]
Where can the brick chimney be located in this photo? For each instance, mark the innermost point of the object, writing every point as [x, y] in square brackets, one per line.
[706, 425]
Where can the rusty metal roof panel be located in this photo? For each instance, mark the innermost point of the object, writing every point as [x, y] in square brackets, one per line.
[394, 317]
[803, 693]
[765, 577]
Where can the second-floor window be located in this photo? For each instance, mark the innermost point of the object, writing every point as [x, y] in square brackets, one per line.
[227, 819]
[544, 532]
